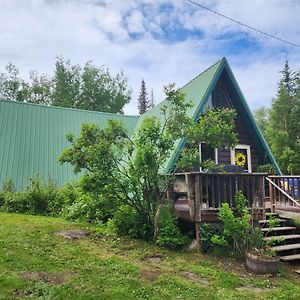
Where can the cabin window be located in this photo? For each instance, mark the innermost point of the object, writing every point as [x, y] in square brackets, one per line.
[207, 152]
[241, 156]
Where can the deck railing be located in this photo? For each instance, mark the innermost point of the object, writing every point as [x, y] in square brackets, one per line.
[284, 191]
[207, 191]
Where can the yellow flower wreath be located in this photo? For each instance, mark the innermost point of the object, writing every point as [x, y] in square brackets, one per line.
[240, 159]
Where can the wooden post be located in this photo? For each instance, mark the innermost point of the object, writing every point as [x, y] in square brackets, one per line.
[190, 185]
[271, 192]
[197, 216]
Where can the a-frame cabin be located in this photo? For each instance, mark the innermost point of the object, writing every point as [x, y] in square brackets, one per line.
[33, 136]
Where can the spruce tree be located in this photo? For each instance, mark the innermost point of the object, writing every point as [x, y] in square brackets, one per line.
[282, 131]
[151, 99]
[143, 102]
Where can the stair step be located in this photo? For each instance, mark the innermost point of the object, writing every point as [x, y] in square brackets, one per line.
[268, 221]
[270, 214]
[290, 257]
[286, 247]
[278, 229]
[297, 271]
[282, 237]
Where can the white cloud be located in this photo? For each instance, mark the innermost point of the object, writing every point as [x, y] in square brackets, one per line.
[135, 22]
[33, 32]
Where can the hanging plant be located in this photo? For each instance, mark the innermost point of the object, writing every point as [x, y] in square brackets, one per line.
[240, 159]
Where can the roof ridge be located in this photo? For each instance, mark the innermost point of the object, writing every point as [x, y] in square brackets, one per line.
[219, 61]
[66, 108]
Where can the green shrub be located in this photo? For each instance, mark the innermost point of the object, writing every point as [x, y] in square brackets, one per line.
[267, 168]
[169, 234]
[127, 222]
[38, 198]
[83, 203]
[7, 189]
[207, 231]
[17, 202]
[236, 230]
[89, 208]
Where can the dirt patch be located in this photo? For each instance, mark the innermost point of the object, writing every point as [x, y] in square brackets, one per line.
[195, 278]
[22, 294]
[47, 277]
[155, 258]
[72, 234]
[149, 275]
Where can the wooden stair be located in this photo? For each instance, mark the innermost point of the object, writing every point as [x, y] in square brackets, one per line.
[284, 238]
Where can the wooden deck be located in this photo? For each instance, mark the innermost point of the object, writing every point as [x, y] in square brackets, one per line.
[198, 196]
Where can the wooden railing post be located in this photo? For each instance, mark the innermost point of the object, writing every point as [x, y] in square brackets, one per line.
[198, 194]
[271, 192]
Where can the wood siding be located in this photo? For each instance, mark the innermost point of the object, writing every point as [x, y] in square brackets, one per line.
[223, 98]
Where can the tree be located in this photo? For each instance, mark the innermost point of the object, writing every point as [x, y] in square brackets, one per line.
[90, 87]
[12, 87]
[66, 84]
[101, 91]
[131, 168]
[40, 90]
[282, 132]
[143, 102]
[261, 116]
[151, 99]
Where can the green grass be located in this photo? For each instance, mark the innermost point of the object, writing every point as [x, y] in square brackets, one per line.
[101, 267]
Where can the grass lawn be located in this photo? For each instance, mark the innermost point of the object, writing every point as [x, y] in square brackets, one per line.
[36, 263]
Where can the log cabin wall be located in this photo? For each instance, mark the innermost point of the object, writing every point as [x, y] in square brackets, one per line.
[221, 97]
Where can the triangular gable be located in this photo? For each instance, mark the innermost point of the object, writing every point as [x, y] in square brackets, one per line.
[198, 91]
[251, 121]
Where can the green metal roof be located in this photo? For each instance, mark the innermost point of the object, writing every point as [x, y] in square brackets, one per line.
[33, 136]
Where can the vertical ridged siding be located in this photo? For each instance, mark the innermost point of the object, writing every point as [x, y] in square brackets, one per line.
[33, 136]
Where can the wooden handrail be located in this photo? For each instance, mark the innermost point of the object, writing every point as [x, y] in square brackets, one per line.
[283, 191]
[285, 176]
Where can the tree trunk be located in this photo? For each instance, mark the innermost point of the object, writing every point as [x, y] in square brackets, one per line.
[155, 224]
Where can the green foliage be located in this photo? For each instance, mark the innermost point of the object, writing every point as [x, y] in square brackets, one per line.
[143, 101]
[12, 87]
[38, 198]
[127, 169]
[208, 234]
[89, 208]
[215, 128]
[110, 267]
[189, 159]
[235, 235]
[90, 87]
[283, 130]
[6, 191]
[261, 116]
[127, 222]
[211, 166]
[266, 168]
[169, 234]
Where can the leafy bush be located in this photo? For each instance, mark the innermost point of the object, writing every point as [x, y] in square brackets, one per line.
[267, 168]
[207, 231]
[38, 198]
[89, 208]
[7, 189]
[235, 235]
[169, 234]
[127, 222]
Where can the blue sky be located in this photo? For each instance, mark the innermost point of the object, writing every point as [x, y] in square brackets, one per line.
[160, 41]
